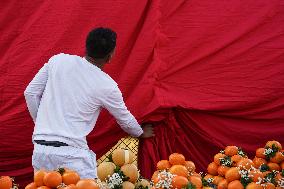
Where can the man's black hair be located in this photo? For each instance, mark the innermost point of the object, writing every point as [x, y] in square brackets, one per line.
[100, 42]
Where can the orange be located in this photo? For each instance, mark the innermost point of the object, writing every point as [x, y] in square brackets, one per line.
[52, 179]
[104, 170]
[245, 164]
[278, 158]
[87, 184]
[190, 166]
[179, 182]
[70, 177]
[196, 181]
[260, 153]
[6, 182]
[163, 165]
[253, 185]
[269, 186]
[38, 177]
[31, 186]
[217, 158]
[212, 169]
[196, 175]
[274, 166]
[177, 159]
[208, 176]
[232, 174]
[255, 175]
[217, 179]
[222, 170]
[128, 185]
[269, 144]
[179, 170]
[236, 184]
[155, 177]
[231, 150]
[235, 159]
[131, 171]
[258, 161]
[223, 184]
[121, 157]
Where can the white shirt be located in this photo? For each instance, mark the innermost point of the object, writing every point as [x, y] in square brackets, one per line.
[65, 99]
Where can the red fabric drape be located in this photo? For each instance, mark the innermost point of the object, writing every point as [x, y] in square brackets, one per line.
[209, 73]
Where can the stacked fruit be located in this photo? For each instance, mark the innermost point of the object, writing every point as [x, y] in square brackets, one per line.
[120, 172]
[224, 171]
[176, 172]
[62, 178]
[269, 161]
[232, 169]
[7, 182]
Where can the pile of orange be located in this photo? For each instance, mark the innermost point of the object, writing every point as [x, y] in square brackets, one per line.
[121, 161]
[232, 169]
[183, 172]
[61, 179]
[223, 171]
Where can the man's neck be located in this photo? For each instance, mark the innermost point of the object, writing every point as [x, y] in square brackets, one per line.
[98, 62]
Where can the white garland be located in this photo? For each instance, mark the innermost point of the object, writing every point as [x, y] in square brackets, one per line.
[267, 151]
[114, 180]
[164, 180]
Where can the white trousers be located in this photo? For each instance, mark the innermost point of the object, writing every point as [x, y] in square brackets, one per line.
[50, 158]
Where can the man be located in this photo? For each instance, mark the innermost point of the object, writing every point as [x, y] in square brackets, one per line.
[65, 99]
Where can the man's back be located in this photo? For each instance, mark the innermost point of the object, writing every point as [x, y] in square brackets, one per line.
[72, 99]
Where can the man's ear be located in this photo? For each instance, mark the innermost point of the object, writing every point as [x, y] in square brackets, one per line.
[108, 58]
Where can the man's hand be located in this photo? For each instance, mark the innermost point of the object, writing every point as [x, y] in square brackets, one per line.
[148, 131]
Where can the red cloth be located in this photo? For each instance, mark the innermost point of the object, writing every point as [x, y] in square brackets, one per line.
[210, 73]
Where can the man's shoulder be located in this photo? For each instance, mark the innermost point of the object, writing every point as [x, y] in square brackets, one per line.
[109, 83]
[110, 80]
[61, 56]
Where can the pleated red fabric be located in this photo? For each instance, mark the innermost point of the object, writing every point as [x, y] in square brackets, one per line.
[208, 73]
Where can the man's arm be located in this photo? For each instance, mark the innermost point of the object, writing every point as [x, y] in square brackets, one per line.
[34, 91]
[115, 105]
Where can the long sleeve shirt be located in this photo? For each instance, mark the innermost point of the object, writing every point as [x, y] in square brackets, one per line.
[65, 99]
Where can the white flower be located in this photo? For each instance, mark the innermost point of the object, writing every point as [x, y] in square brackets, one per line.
[259, 180]
[164, 180]
[102, 185]
[151, 183]
[114, 180]
[241, 153]
[243, 173]
[268, 151]
[268, 179]
[210, 180]
[225, 161]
